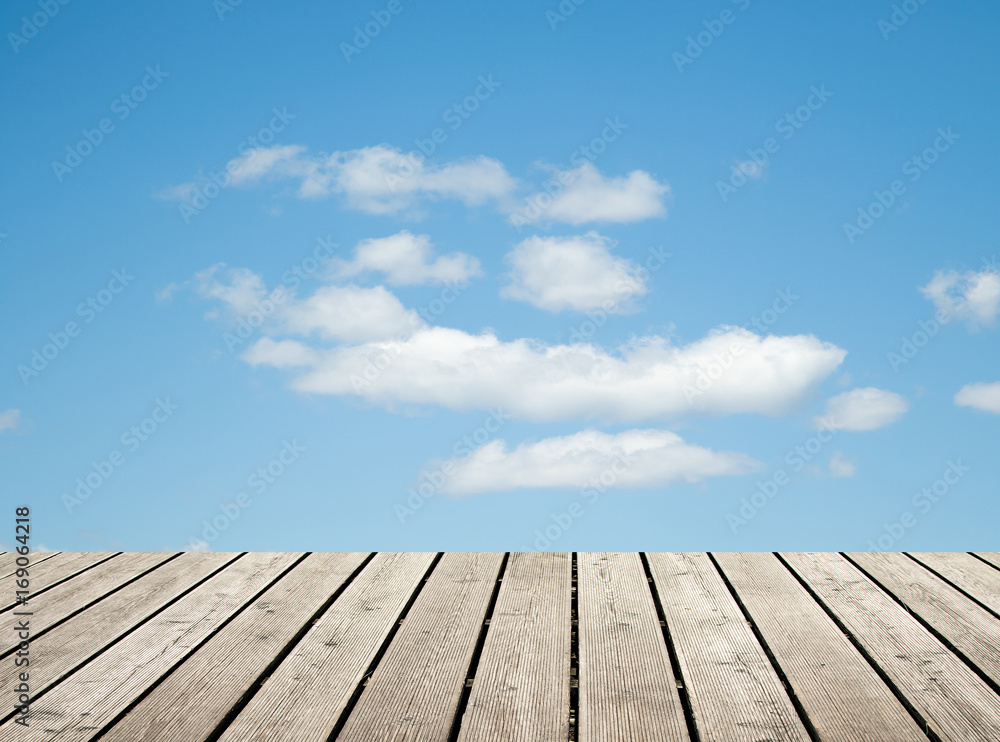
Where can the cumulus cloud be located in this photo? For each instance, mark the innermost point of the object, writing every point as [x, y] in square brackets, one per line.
[841, 467]
[985, 397]
[647, 379]
[862, 409]
[576, 273]
[971, 296]
[583, 195]
[407, 259]
[377, 180]
[634, 458]
[10, 419]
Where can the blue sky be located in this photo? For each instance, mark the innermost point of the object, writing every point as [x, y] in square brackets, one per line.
[755, 308]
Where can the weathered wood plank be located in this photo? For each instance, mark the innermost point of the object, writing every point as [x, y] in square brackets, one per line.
[74, 594]
[841, 695]
[979, 580]
[305, 696]
[414, 692]
[196, 697]
[522, 682]
[734, 691]
[953, 702]
[46, 573]
[65, 647]
[992, 557]
[103, 688]
[627, 689]
[961, 621]
[8, 561]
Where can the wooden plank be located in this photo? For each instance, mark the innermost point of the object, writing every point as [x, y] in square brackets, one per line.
[49, 572]
[521, 690]
[87, 587]
[78, 709]
[961, 621]
[627, 688]
[979, 580]
[415, 690]
[992, 557]
[953, 702]
[305, 696]
[841, 695]
[65, 647]
[734, 691]
[8, 561]
[196, 697]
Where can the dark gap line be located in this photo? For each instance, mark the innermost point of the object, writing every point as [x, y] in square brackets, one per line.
[55, 683]
[574, 653]
[930, 629]
[917, 716]
[984, 561]
[44, 590]
[383, 648]
[971, 597]
[675, 664]
[77, 612]
[470, 674]
[30, 565]
[245, 699]
[799, 708]
[173, 668]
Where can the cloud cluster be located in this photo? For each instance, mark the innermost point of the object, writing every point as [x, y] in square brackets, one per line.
[985, 397]
[863, 409]
[406, 259]
[971, 296]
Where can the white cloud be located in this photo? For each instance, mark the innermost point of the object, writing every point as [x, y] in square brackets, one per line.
[406, 259]
[863, 409]
[577, 273]
[378, 180]
[649, 378]
[841, 467]
[10, 419]
[634, 458]
[970, 296]
[985, 397]
[588, 196]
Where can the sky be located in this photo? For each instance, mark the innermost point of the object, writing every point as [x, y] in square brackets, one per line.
[500, 276]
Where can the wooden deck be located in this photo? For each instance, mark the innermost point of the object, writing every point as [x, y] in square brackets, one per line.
[538, 647]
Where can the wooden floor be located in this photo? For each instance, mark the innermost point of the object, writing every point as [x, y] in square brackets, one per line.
[753, 647]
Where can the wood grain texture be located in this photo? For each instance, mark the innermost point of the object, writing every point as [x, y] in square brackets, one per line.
[841, 695]
[522, 682]
[627, 689]
[48, 572]
[979, 580]
[414, 692]
[76, 593]
[8, 562]
[990, 556]
[108, 684]
[960, 621]
[954, 703]
[198, 695]
[735, 693]
[304, 697]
